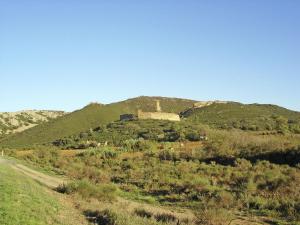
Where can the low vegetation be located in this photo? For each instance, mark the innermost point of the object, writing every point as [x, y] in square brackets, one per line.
[132, 135]
[220, 161]
[228, 172]
[103, 192]
[253, 117]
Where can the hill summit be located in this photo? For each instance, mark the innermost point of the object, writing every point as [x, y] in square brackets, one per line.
[91, 116]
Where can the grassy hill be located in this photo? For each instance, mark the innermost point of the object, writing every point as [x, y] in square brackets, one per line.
[254, 117]
[89, 117]
[246, 117]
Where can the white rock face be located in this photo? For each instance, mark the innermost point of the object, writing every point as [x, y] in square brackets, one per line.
[207, 103]
[13, 122]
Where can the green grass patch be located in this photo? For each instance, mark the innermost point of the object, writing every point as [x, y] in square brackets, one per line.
[23, 201]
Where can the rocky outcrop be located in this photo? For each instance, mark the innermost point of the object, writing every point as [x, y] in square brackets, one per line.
[13, 122]
[207, 103]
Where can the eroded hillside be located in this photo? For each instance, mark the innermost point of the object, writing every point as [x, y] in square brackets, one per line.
[13, 122]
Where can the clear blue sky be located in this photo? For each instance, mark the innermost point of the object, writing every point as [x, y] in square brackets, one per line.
[63, 54]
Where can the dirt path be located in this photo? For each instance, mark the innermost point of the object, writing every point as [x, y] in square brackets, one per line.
[67, 213]
[46, 180]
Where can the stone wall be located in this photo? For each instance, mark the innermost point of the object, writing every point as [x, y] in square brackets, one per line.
[158, 116]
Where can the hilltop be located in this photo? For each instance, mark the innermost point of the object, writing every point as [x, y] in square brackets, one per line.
[89, 117]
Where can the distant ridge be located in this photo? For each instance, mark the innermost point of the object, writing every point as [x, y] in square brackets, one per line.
[14, 122]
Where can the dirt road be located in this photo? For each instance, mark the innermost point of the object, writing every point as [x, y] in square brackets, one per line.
[49, 181]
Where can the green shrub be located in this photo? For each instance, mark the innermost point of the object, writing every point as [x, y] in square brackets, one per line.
[172, 136]
[136, 145]
[193, 136]
[168, 155]
[105, 192]
[109, 154]
[165, 218]
[105, 217]
[225, 199]
[67, 188]
[290, 210]
[257, 203]
[213, 217]
[143, 213]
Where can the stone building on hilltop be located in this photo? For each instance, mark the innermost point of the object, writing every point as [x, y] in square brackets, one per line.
[158, 115]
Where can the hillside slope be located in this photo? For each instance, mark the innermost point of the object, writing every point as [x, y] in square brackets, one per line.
[89, 117]
[24, 201]
[14, 122]
[246, 117]
[253, 117]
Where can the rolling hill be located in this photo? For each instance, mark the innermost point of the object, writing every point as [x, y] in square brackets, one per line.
[89, 117]
[244, 116]
[252, 117]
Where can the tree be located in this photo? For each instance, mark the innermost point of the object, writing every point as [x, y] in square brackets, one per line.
[281, 124]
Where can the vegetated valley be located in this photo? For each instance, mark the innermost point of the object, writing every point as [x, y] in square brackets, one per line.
[223, 163]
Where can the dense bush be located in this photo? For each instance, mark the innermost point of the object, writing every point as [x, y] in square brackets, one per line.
[166, 217]
[193, 136]
[105, 192]
[131, 134]
[213, 217]
[169, 155]
[105, 217]
[143, 213]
